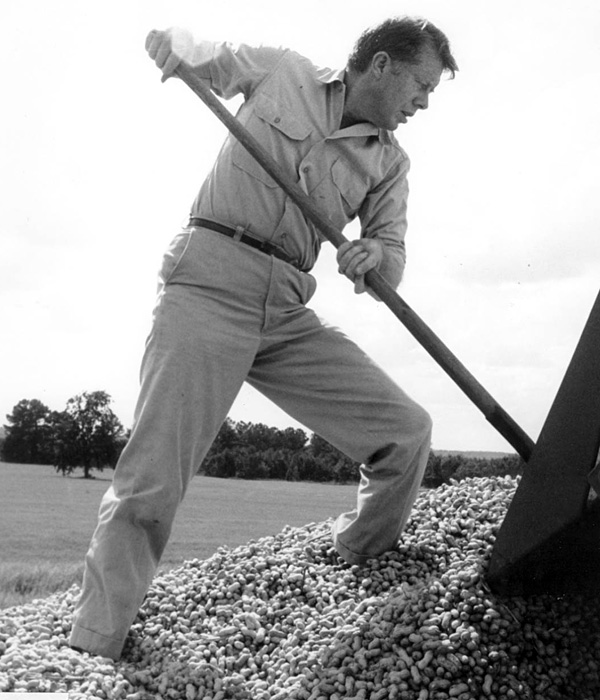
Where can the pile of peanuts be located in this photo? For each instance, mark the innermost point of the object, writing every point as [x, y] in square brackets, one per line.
[284, 618]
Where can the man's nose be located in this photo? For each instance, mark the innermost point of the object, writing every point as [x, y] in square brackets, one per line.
[422, 101]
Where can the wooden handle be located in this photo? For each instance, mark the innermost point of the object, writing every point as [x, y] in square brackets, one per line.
[493, 412]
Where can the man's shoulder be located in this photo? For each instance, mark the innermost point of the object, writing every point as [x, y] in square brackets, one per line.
[300, 62]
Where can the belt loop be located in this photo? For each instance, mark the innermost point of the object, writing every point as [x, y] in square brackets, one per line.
[239, 232]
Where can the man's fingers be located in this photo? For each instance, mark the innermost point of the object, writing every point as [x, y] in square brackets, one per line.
[154, 41]
[149, 40]
[359, 263]
[365, 264]
[169, 66]
[359, 284]
[349, 262]
[160, 48]
[163, 54]
[356, 258]
[350, 255]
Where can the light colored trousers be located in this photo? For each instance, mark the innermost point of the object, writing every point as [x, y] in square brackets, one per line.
[227, 313]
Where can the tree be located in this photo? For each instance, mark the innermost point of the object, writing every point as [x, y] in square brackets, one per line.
[305, 467]
[222, 449]
[346, 470]
[250, 464]
[278, 461]
[441, 468]
[226, 437]
[87, 434]
[28, 435]
[221, 463]
[319, 447]
[263, 437]
[257, 435]
[293, 439]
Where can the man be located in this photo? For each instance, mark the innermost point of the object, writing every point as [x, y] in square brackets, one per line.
[232, 302]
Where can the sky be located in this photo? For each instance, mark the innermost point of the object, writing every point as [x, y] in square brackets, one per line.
[100, 161]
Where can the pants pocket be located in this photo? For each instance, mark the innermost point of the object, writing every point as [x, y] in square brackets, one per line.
[173, 257]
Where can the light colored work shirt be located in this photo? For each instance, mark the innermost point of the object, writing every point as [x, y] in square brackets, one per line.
[294, 109]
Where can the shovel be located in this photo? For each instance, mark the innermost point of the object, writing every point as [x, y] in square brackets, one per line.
[492, 411]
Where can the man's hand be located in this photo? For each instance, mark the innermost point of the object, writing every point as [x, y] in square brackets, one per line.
[356, 258]
[169, 48]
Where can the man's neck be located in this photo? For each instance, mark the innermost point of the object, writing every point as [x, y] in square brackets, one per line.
[349, 118]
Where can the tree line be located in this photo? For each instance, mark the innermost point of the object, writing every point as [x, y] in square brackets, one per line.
[88, 435]
[256, 451]
[249, 451]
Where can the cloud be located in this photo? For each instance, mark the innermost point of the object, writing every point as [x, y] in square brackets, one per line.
[531, 263]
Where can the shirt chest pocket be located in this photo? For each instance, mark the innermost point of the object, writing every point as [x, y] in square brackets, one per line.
[279, 132]
[349, 184]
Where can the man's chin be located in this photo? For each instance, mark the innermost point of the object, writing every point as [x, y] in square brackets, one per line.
[388, 126]
[395, 123]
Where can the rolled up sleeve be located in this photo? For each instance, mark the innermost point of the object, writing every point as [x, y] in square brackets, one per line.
[383, 216]
[233, 69]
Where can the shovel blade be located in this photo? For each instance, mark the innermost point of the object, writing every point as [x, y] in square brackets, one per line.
[539, 534]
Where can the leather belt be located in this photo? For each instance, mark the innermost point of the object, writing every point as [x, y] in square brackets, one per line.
[239, 235]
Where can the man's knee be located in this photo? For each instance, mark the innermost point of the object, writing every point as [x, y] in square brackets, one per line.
[412, 422]
[149, 511]
[146, 518]
[409, 435]
[423, 422]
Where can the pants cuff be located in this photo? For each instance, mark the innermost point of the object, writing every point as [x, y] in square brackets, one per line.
[96, 644]
[348, 555]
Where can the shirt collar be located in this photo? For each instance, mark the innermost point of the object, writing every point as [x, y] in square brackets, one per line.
[329, 76]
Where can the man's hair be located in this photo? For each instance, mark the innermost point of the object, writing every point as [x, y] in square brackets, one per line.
[402, 38]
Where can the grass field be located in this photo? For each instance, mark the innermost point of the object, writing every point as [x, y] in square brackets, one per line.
[46, 521]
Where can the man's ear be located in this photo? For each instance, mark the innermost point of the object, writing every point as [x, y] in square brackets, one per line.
[380, 61]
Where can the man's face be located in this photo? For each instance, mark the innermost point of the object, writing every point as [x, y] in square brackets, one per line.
[401, 89]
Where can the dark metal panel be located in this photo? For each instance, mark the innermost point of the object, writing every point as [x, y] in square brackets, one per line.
[553, 493]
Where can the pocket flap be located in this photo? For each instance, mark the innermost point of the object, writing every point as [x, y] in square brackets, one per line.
[351, 187]
[280, 118]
